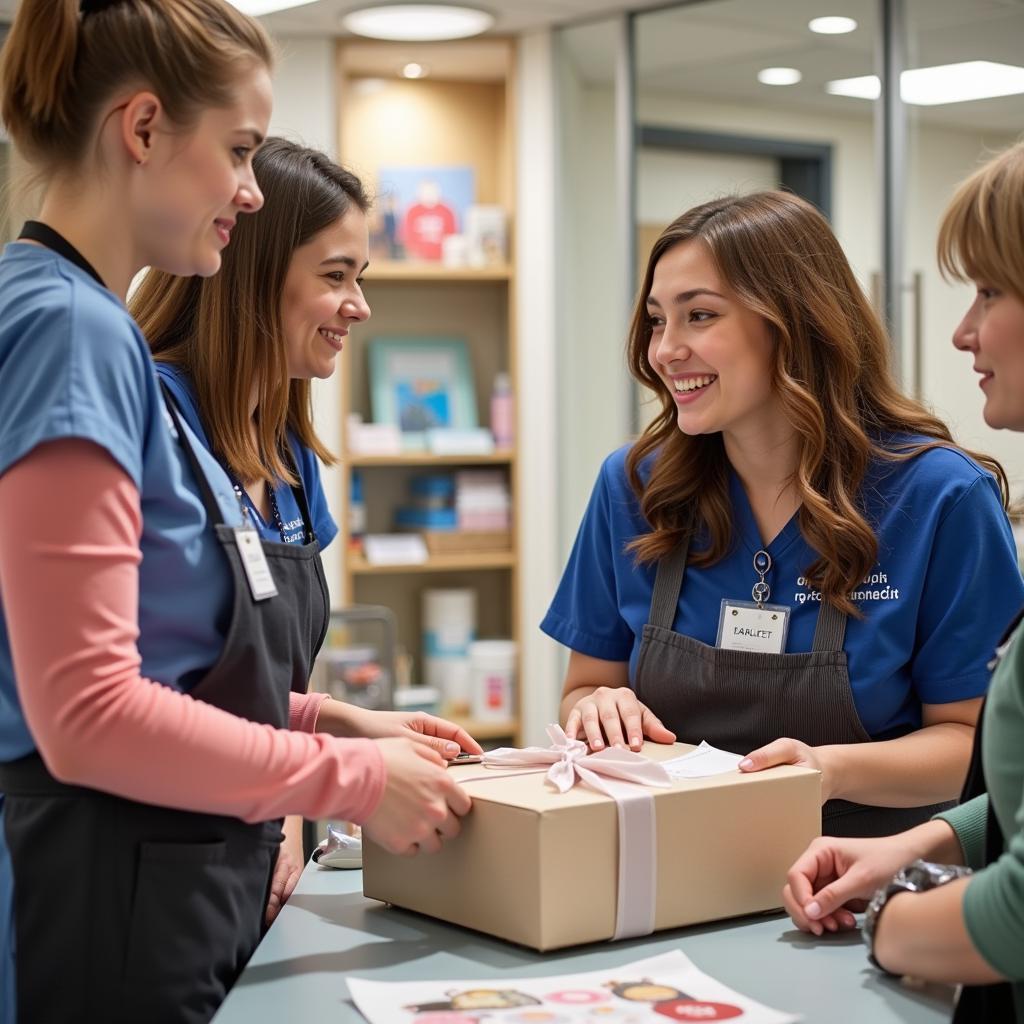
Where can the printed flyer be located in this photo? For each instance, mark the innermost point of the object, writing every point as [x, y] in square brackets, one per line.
[663, 988]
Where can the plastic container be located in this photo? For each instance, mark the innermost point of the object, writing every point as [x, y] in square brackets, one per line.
[502, 411]
[492, 667]
[418, 698]
[449, 627]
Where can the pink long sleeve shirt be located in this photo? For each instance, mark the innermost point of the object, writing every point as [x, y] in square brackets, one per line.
[69, 584]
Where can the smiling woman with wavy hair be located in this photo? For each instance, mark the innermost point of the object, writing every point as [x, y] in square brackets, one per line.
[794, 561]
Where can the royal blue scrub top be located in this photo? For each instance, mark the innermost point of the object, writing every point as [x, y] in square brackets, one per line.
[945, 586]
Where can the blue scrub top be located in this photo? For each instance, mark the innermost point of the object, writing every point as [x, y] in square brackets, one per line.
[945, 586]
[74, 364]
[305, 460]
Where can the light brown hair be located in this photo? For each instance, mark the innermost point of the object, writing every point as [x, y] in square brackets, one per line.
[982, 232]
[63, 61]
[831, 370]
[226, 331]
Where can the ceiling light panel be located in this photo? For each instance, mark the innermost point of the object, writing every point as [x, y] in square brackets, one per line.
[779, 76]
[832, 26]
[418, 22]
[257, 8]
[944, 83]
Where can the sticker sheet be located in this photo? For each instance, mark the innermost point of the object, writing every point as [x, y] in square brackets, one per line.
[654, 991]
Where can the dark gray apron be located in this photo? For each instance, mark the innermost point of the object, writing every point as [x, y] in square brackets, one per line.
[128, 912]
[741, 700]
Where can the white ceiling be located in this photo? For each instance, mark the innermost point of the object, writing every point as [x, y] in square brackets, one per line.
[715, 48]
[513, 16]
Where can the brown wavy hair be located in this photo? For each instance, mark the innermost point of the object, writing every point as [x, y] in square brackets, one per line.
[831, 371]
[226, 331]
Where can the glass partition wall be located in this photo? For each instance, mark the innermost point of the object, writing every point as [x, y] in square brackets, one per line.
[737, 95]
[977, 46]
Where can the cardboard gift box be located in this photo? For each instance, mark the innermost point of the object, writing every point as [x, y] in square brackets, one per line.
[541, 867]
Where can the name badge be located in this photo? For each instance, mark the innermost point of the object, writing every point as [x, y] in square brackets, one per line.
[743, 626]
[254, 562]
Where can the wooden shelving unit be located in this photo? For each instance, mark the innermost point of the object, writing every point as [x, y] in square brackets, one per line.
[498, 458]
[436, 272]
[359, 566]
[461, 115]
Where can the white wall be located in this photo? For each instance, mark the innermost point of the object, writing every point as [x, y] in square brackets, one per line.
[306, 111]
[938, 160]
[538, 382]
[593, 413]
[669, 183]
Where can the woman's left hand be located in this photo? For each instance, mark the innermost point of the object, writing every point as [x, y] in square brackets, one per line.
[787, 751]
[445, 737]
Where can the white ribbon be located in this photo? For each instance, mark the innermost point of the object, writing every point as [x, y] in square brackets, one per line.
[619, 774]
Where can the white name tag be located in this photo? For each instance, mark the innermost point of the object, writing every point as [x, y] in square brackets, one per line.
[742, 626]
[254, 562]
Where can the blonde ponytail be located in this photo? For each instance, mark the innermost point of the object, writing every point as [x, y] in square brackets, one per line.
[61, 64]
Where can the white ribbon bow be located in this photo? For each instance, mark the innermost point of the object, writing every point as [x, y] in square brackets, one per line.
[619, 774]
[570, 763]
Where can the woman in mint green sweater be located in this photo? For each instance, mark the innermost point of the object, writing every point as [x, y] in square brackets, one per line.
[951, 924]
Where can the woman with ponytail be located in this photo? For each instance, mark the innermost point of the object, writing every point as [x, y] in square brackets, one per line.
[150, 741]
[794, 562]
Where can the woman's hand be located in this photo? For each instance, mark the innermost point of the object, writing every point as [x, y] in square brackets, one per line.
[836, 876]
[787, 751]
[609, 715]
[437, 733]
[290, 862]
[422, 802]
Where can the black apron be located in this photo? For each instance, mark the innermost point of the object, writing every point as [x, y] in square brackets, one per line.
[742, 700]
[993, 1004]
[128, 912]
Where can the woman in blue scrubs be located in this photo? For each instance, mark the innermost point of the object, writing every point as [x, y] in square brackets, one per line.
[147, 639]
[794, 562]
[242, 384]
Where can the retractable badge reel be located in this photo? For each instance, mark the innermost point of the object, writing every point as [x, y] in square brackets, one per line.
[754, 625]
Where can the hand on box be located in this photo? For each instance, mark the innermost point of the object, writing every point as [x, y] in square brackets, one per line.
[422, 802]
[611, 714]
[787, 751]
[436, 733]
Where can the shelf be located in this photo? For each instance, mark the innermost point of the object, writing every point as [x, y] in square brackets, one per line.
[498, 458]
[359, 566]
[386, 270]
[486, 730]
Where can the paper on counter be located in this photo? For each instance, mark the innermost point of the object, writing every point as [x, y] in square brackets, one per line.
[659, 989]
[700, 763]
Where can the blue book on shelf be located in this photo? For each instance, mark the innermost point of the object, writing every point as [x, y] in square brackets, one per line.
[426, 518]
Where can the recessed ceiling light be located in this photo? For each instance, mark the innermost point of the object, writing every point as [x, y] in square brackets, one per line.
[832, 26]
[418, 22]
[944, 83]
[414, 70]
[779, 76]
[256, 8]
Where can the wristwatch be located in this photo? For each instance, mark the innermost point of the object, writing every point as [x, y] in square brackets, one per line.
[920, 876]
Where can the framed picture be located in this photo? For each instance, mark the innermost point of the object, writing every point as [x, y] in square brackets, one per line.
[421, 384]
[419, 207]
